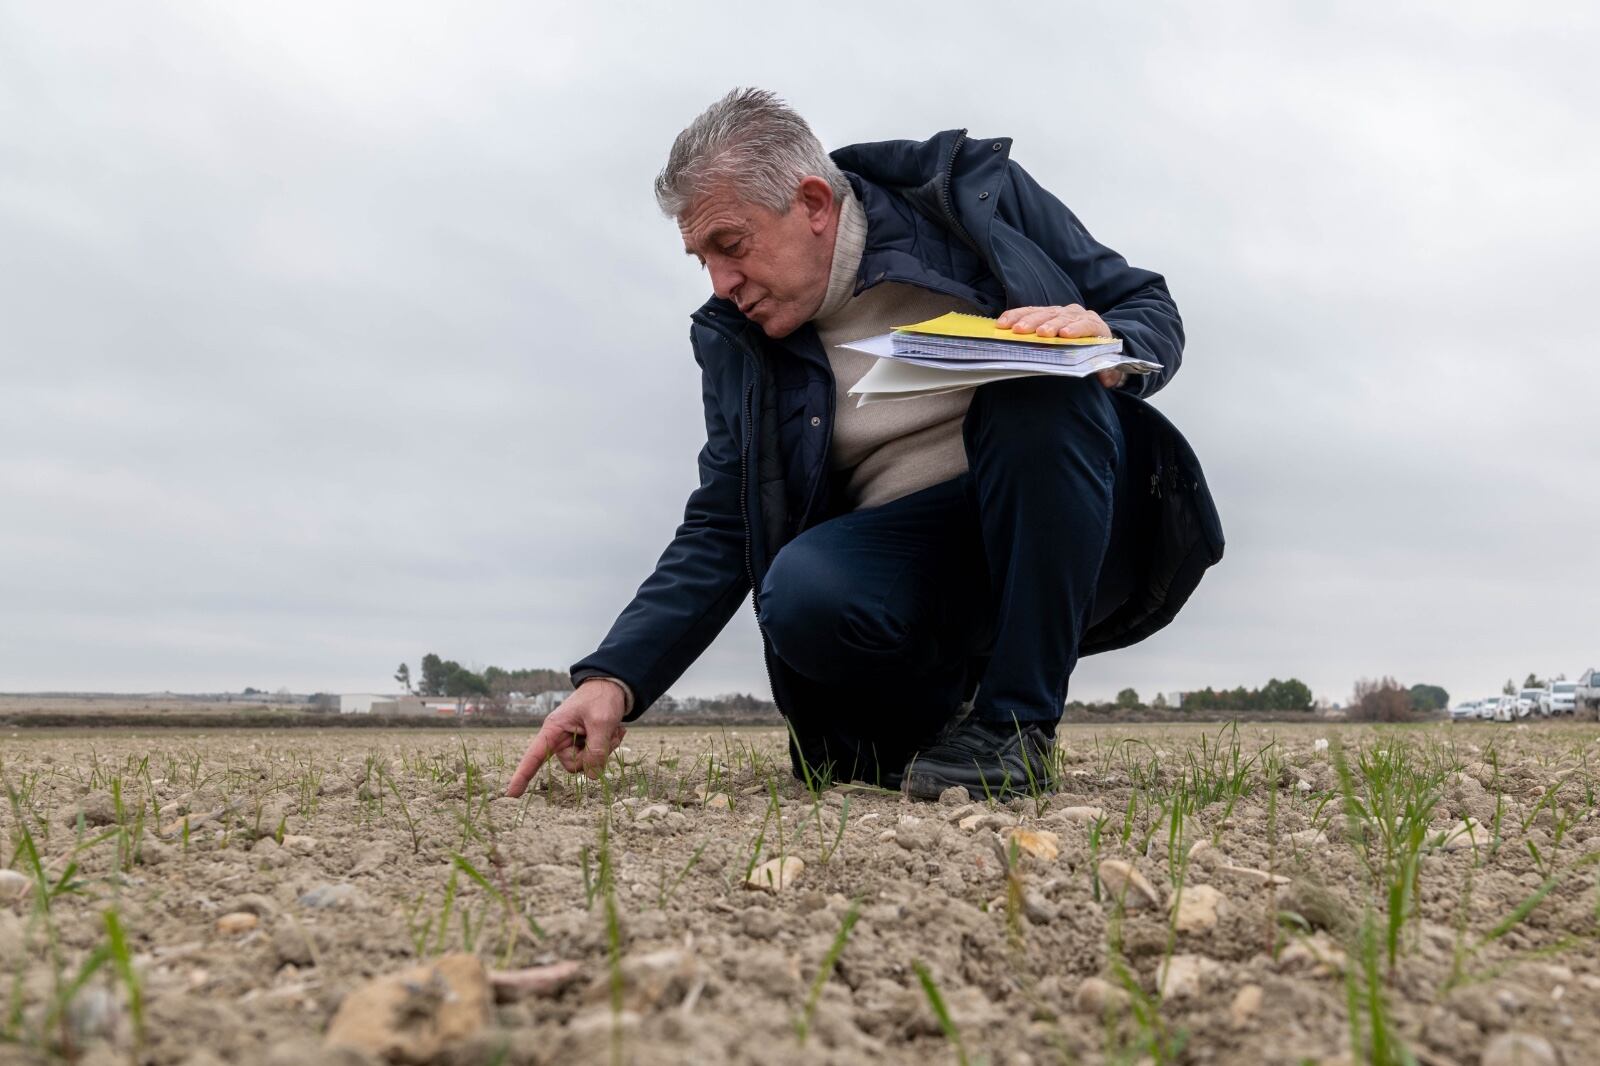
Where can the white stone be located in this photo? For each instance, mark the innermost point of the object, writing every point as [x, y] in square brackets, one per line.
[14, 886]
[1248, 873]
[1080, 814]
[775, 875]
[1123, 882]
[1096, 996]
[1245, 1005]
[1519, 1049]
[1183, 975]
[1199, 908]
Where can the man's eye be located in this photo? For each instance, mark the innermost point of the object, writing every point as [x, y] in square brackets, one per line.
[733, 249]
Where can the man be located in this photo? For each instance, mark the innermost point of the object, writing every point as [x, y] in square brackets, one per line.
[925, 572]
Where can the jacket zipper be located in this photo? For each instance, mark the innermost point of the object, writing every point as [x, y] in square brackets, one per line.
[944, 196]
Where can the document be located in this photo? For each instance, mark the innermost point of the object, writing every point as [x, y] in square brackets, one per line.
[956, 351]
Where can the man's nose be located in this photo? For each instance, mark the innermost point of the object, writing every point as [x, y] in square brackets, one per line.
[725, 281]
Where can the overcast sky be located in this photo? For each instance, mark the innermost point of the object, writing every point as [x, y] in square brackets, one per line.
[335, 334]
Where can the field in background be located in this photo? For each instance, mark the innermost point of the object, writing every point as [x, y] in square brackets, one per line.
[1274, 894]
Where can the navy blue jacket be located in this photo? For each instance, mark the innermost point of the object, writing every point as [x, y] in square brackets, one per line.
[955, 215]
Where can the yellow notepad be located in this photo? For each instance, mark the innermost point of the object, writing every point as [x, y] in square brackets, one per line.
[976, 327]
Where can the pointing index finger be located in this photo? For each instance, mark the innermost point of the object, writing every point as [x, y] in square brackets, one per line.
[542, 748]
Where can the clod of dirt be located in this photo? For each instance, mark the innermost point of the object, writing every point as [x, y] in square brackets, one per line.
[1320, 907]
[1316, 955]
[237, 923]
[655, 979]
[97, 808]
[334, 895]
[1519, 1049]
[1038, 843]
[1123, 882]
[511, 985]
[1096, 996]
[12, 937]
[775, 875]
[415, 1015]
[255, 903]
[1183, 975]
[1199, 908]
[719, 801]
[13, 886]
[1038, 910]
[1245, 1005]
[1309, 838]
[992, 820]
[302, 845]
[954, 796]
[297, 945]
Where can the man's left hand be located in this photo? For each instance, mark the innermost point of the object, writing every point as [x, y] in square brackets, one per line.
[1072, 320]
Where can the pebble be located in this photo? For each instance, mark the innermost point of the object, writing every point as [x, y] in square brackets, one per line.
[954, 796]
[302, 845]
[990, 820]
[1519, 1049]
[14, 886]
[416, 1014]
[719, 801]
[1316, 954]
[1199, 908]
[914, 836]
[1183, 975]
[1039, 843]
[1464, 834]
[237, 923]
[1096, 996]
[1038, 910]
[297, 945]
[510, 985]
[1309, 838]
[775, 875]
[760, 923]
[1249, 873]
[1245, 1005]
[1123, 882]
[651, 812]
[1080, 814]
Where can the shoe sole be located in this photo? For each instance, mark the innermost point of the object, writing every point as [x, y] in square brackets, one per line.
[924, 785]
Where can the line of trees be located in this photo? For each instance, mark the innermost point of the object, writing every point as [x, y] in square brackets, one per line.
[446, 677]
[1275, 695]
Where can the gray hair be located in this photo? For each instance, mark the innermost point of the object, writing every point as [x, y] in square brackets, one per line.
[752, 142]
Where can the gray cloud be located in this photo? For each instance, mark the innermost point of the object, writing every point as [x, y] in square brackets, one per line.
[332, 337]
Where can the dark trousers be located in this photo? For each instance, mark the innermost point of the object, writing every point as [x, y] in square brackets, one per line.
[891, 615]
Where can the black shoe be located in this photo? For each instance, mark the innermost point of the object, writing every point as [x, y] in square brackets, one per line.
[991, 760]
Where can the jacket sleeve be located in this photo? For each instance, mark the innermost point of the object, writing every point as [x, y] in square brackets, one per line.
[698, 582]
[1134, 302]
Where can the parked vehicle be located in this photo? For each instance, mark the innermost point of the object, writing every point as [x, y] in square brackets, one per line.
[1464, 712]
[1586, 698]
[1561, 697]
[1529, 701]
[1498, 708]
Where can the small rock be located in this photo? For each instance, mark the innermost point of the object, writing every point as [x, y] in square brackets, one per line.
[1467, 833]
[954, 796]
[1316, 955]
[1096, 996]
[1183, 975]
[302, 845]
[1318, 745]
[510, 985]
[1125, 883]
[296, 945]
[14, 886]
[414, 1015]
[913, 837]
[1038, 910]
[1247, 873]
[989, 820]
[719, 801]
[1080, 814]
[333, 895]
[651, 812]
[265, 846]
[760, 923]
[237, 923]
[1245, 1005]
[1039, 843]
[775, 875]
[92, 1015]
[1309, 838]
[1199, 908]
[1519, 1049]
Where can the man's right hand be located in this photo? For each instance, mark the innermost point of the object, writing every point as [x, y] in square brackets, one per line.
[581, 733]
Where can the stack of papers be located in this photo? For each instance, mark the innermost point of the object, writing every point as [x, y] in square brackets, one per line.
[956, 351]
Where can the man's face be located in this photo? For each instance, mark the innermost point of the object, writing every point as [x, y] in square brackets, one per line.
[773, 266]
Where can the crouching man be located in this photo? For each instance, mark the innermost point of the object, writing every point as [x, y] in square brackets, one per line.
[926, 572]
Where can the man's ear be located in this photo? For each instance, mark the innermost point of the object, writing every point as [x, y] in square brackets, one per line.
[816, 200]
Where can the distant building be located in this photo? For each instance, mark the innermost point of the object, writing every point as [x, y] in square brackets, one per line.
[360, 702]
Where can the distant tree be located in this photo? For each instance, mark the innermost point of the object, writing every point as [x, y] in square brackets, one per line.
[1127, 699]
[1533, 682]
[433, 675]
[1429, 698]
[1160, 702]
[1290, 695]
[459, 681]
[323, 703]
[248, 691]
[1381, 701]
[1509, 688]
[403, 676]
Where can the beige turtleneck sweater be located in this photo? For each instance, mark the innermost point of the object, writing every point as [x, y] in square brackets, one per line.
[897, 447]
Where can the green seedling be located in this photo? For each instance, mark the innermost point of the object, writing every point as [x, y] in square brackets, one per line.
[941, 1012]
[802, 1024]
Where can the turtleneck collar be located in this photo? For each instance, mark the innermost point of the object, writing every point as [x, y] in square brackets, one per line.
[850, 240]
